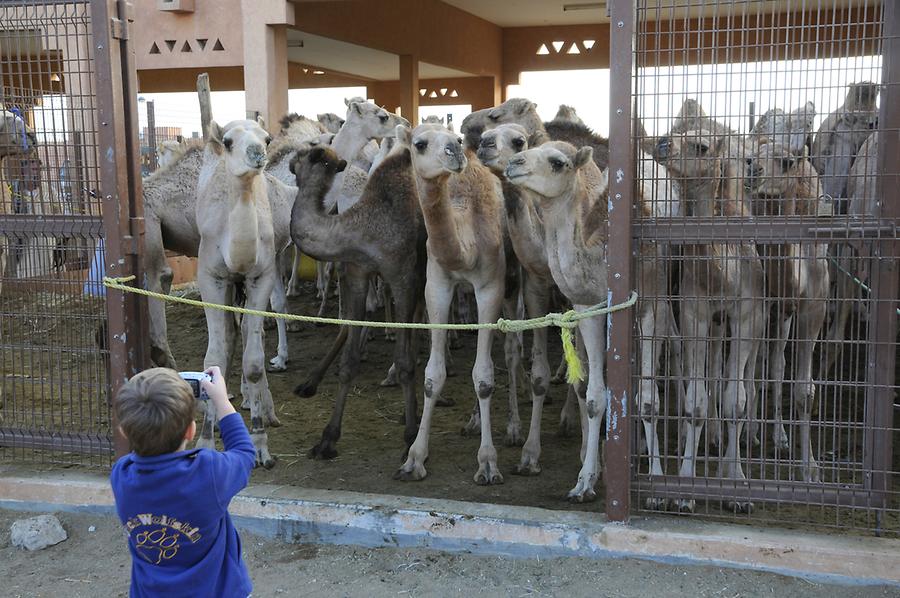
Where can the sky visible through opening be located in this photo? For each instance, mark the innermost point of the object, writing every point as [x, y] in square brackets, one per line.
[724, 90]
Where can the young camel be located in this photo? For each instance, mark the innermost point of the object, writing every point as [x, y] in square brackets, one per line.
[461, 205]
[567, 112]
[717, 279]
[572, 193]
[239, 240]
[797, 281]
[383, 234]
[16, 138]
[525, 228]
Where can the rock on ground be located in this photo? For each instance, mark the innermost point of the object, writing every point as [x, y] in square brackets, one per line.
[37, 533]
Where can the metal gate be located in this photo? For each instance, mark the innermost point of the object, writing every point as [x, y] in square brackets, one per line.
[765, 349]
[67, 215]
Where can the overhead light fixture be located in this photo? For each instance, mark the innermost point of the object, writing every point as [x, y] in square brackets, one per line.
[584, 6]
[55, 78]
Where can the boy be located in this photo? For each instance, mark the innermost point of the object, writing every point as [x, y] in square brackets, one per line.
[174, 503]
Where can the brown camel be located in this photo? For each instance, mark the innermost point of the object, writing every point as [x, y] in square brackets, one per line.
[381, 234]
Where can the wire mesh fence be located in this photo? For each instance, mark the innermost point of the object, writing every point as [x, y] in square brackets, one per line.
[53, 311]
[767, 337]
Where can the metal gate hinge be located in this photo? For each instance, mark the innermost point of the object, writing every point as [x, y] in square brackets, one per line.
[119, 28]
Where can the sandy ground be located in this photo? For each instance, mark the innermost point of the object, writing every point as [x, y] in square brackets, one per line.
[94, 564]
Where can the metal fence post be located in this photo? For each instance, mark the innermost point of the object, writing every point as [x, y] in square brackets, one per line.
[621, 189]
[116, 85]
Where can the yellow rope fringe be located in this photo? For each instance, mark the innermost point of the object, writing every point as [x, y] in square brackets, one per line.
[565, 321]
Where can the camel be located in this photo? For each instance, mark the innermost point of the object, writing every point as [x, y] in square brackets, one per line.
[862, 203]
[382, 233]
[797, 279]
[792, 131]
[331, 121]
[524, 112]
[461, 204]
[566, 112]
[438, 120]
[573, 199]
[707, 164]
[839, 138]
[240, 235]
[526, 232]
[168, 151]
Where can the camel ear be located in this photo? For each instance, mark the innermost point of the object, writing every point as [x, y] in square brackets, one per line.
[260, 121]
[341, 166]
[215, 133]
[356, 106]
[583, 156]
[403, 134]
[317, 154]
[347, 102]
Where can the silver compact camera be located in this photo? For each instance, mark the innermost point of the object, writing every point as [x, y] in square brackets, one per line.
[194, 378]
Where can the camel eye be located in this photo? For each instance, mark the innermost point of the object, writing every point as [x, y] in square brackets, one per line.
[702, 148]
[228, 142]
[494, 116]
[383, 118]
[787, 164]
[268, 141]
[421, 145]
[518, 142]
[556, 164]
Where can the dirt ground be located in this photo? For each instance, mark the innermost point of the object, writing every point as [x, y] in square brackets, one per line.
[94, 562]
[371, 444]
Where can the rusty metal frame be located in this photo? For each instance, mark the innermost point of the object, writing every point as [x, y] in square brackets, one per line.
[120, 181]
[619, 267]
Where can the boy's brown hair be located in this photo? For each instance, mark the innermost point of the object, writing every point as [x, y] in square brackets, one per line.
[154, 410]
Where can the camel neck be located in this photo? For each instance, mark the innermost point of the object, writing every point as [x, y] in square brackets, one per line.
[348, 142]
[243, 225]
[440, 223]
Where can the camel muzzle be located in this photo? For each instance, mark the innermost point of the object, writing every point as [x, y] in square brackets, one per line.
[256, 156]
[661, 152]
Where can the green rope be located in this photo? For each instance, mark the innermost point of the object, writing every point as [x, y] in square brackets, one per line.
[565, 321]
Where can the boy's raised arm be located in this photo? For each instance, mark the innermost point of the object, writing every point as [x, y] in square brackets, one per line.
[232, 467]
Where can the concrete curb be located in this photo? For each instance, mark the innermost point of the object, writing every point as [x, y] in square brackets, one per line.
[307, 515]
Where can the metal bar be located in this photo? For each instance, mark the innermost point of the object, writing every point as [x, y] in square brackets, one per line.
[766, 229]
[56, 441]
[621, 191]
[31, 224]
[672, 486]
[116, 115]
[881, 349]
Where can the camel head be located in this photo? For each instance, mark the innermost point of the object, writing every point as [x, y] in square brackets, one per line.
[16, 137]
[550, 170]
[435, 151]
[242, 144]
[567, 112]
[316, 166]
[513, 110]
[771, 170]
[372, 121]
[168, 151]
[860, 113]
[331, 121]
[692, 154]
[794, 129]
[500, 144]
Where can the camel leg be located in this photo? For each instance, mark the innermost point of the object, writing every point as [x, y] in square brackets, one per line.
[560, 376]
[810, 320]
[512, 353]
[537, 301]
[438, 296]
[159, 280]
[405, 358]
[489, 299]
[353, 285]
[651, 322]
[747, 324]
[255, 385]
[569, 414]
[593, 336]
[777, 361]
[716, 375]
[695, 323]
[846, 294]
[309, 386]
[387, 299]
[220, 327]
[293, 288]
[279, 305]
[327, 271]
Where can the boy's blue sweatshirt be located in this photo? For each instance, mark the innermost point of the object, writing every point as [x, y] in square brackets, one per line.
[175, 511]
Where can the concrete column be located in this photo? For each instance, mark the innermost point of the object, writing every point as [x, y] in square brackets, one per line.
[266, 72]
[409, 88]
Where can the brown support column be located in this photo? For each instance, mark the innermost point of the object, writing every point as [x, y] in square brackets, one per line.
[621, 190]
[266, 84]
[409, 88]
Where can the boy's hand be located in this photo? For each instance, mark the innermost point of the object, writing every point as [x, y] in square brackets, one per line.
[217, 392]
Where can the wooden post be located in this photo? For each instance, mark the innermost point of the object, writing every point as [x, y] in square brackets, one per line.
[203, 94]
[151, 136]
[409, 88]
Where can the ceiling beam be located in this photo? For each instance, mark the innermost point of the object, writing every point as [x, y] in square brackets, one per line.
[436, 32]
